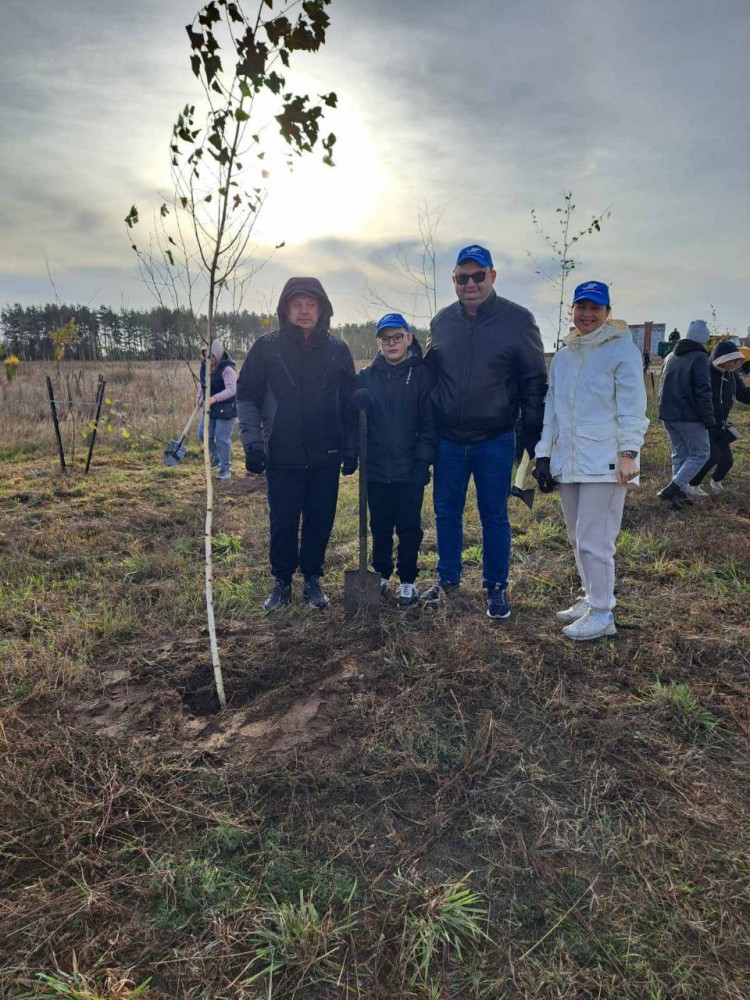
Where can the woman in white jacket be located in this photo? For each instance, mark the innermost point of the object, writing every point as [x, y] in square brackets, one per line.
[594, 426]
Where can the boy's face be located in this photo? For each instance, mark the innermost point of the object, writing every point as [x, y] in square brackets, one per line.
[394, 343]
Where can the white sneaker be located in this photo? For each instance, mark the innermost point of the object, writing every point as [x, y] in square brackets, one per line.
[385, 586]
[407, 594]
[574, 612]
[593, 625]
[695, 491]
[716, 487]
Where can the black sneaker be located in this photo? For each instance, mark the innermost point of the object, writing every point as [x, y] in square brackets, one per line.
[498, 605]
[672, 492]
[312, 593]
[279, 597]
[433, 594]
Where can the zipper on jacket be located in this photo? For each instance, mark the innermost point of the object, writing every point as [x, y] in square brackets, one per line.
[288, 373]
[467, 360]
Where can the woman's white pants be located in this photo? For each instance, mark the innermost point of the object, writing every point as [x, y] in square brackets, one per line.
[593, 515]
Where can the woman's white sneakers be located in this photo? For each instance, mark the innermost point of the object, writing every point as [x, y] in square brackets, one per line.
[592, 625]
[716, 487]
[573, 613]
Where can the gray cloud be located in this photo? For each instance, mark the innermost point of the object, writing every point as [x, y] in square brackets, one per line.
[487, 109]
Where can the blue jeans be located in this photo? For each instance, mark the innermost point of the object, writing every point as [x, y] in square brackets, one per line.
[690, 449]
[490, 462]
[219, 441]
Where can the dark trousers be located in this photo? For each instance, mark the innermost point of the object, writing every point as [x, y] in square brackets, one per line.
[721, 456]
[399, 506]
[309, 495]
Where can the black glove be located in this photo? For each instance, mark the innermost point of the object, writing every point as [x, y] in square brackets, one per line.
[527, 440]
[422, 473]
[255, 460]
[543, 475]
[349, 465]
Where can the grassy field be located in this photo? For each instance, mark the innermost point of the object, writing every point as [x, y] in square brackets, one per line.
[439, 806]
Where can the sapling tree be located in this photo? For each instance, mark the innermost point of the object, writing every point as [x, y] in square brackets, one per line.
[200, 250]
[415, 264]
[562, 246]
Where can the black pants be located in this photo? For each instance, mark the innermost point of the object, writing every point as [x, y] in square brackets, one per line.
[399, 506]
[721, 456]
[309, 494]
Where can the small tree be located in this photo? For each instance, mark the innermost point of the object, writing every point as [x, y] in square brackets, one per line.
[415, 264]
[562, 248]
[200, 250]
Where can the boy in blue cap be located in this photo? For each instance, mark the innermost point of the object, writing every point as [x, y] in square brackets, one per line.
[401, 441]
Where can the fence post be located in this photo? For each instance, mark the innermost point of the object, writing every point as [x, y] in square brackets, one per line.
[53, 407]
[99, 401]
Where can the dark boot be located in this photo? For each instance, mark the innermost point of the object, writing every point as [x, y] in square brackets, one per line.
[312, 593]
[279, 597]
[671, 492]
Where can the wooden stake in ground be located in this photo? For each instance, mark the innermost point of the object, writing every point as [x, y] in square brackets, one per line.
[55, 421]
[99, 401]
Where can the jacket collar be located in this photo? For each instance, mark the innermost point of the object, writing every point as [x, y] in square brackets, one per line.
[688, 346]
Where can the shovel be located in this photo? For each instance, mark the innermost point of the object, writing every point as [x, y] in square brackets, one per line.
[176, 450]
[362, 586]
[517, 490]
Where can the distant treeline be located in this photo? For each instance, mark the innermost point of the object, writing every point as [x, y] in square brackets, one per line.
[155, 334]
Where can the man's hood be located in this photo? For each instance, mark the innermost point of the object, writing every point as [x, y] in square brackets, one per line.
[305, 286]
[613, 329]
[688, 347]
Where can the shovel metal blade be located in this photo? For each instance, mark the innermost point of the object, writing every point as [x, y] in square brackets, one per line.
[174, 453]
[525, 496]
[361, 593]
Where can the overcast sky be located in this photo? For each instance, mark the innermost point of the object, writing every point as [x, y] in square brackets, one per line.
[484, 109]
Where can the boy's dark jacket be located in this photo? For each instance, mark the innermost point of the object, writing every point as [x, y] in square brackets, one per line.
[294, 394]
[401, 430]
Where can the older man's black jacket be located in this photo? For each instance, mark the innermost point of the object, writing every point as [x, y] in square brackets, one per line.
[402, 437]
[294, 393]
[487, 368]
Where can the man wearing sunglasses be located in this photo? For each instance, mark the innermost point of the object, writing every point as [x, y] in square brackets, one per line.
[487, 358]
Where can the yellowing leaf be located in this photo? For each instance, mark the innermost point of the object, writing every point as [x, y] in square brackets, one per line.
[108, 401]
[109, 428]
[125, 433]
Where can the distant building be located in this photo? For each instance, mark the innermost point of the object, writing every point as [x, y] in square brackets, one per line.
[647, 336]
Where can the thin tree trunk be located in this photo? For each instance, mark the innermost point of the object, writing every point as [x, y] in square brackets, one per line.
[218, 677]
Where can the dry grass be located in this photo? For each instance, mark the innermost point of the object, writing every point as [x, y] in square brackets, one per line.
[437, 807]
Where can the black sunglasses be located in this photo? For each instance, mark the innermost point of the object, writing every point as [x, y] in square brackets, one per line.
[477, 277]
[395, 338]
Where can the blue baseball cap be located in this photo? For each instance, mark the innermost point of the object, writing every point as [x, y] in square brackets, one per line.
[474, 252]
[594, 291]
[392, 320]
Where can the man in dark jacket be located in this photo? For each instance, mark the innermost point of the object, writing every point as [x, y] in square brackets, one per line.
[687, 410]
[726, 386]
[486, 355]
[294, 407]
[401, 439]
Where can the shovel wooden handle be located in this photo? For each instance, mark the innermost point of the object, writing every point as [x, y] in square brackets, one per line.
[363, 491]
[188, 425]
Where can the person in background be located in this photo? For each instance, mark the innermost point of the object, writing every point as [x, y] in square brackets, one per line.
[594, 426]
[223, 407]
[401, 440]
[294, 404]
[726, 386]
[687, 410]
[646, 362]
[487, 358]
